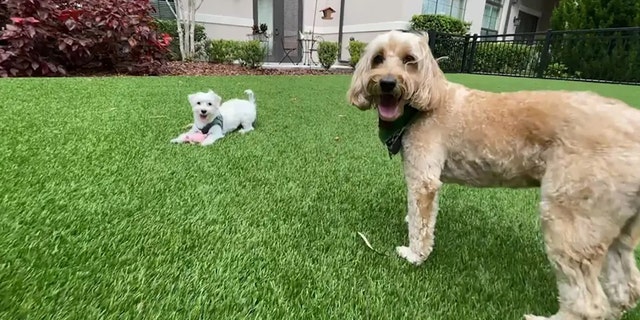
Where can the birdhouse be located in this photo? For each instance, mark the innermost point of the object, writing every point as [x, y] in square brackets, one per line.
[327, 13]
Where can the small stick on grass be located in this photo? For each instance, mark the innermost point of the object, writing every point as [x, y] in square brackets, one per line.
[369, 244]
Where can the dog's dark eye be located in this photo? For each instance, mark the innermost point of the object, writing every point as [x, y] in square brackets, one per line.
[378, 59]
[198, 103]
[408, 59]
[209, 103]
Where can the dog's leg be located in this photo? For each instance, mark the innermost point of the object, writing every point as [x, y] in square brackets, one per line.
[621, 278]
[423, 185]
[182, 137]
[246, 127]
[214, 135]
[576, 243]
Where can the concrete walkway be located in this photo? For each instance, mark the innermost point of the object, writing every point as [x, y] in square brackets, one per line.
[284, 65]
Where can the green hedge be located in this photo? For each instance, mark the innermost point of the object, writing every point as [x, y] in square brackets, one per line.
[449, 41]
[222, 51]
[249, 53]
[505, 58]
[171, 27]
[356, 48]
[328, 53]
[612, 56]
[439, 23]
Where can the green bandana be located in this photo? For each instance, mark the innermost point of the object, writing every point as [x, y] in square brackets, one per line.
[390, 133]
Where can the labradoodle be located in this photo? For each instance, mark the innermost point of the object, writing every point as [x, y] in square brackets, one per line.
[581, 149]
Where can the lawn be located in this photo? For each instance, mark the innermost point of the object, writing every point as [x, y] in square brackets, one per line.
[102, 218]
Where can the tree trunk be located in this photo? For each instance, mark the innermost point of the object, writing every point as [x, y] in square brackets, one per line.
[179, 19]
[186, 20]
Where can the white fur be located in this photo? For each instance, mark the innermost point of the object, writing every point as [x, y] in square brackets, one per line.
[235, 113]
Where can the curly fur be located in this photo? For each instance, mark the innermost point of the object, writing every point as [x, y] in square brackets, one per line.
[208, 105]
[580, 148]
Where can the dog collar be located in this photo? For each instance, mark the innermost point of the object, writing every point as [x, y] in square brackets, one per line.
[391, 132]
[217, 121]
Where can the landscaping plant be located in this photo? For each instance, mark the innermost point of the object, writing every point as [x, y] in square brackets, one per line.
[51, 37]
[328, 53]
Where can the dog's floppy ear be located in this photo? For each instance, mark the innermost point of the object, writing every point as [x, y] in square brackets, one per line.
[431, 88]
[217, 100]
[192, 99]
[357, 93]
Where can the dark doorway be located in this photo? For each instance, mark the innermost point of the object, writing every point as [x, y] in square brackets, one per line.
[284, 20]
[528, 24]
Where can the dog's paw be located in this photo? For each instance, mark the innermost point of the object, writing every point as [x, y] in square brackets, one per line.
[176, 140]
[532, 317]
[406, 218]
[410, 256]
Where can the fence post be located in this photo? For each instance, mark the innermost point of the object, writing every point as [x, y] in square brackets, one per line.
[464, 53]
[544, 57]
[432, 39]
[474, 45]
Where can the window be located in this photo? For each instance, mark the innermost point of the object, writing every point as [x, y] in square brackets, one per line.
[452, 8]
[491, 17]
[162, 9]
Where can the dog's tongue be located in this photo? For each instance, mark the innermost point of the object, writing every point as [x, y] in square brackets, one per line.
[388, 107]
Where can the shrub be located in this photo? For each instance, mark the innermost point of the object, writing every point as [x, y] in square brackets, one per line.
[449, 37]
[439, 24]
[556, 70]
[451, 47]
[222, 51]
[251, 53]
[51, 37]
[595, 14]
[504, 58]
[356, 49]
[170, 27]
[327, 53]
[602, 55]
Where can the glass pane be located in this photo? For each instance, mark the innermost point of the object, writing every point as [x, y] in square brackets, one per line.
[265, 15]
[444, 7]
[490, 18]
[428, 6]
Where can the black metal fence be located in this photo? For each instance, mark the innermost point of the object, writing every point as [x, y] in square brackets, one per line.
[600, 55]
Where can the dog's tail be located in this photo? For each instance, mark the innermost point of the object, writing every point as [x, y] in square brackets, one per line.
[250, 95]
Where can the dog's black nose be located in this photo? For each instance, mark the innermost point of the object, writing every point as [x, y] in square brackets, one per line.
[203, 111]
[387, 83]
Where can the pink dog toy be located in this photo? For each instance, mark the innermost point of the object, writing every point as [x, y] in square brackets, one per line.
[195, 137]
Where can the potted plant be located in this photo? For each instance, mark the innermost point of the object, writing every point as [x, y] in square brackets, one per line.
[260, 32]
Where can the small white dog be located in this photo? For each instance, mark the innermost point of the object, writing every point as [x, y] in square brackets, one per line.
[212, 120]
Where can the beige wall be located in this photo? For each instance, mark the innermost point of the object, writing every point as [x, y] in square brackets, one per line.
[364, 19]
[227, 19]
[360, 15]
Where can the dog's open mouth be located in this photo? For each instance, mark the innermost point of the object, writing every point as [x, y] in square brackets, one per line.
[389, 108]
[203, 116]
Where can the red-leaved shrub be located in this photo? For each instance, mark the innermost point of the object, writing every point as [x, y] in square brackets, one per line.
[51, 37]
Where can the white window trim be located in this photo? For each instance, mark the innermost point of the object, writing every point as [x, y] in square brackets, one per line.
[500, 16]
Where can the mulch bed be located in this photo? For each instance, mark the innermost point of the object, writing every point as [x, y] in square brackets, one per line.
[179, 68]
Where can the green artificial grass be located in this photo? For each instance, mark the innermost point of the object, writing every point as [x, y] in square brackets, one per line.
[102, 218]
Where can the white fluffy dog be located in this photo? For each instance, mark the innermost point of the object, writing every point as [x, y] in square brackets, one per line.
[212, 120]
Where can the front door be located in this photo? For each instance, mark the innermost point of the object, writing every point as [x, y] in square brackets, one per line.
[284, 20]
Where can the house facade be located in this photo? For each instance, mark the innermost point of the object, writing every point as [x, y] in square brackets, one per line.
[340, 20]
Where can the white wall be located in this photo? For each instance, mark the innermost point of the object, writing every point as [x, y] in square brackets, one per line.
[473, 14]
[228, 19]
